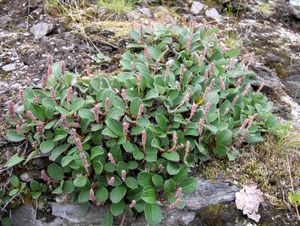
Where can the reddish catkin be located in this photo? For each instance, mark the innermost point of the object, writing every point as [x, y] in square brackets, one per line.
[201, 125]
[95, 111]
[144, 138]
[84, 162]
[184, 100]
[211, 84]
[206, 110]
[206, 92]
[140, 112]
[206, 76]
[188, 43]
[221, 83]
[69, 95]
[78, 144]
[123, 175]
[111, 181]
[176, 203]
[31, 116]
[132, 204]
[247, 90]
[53, 94]
[193, 110]
[63, 121]
[123, 94]
[49, 64]
[107, 104]
[111, 158]
[92, 196]
[40, 129]
[10, 109]
[178, 192]
[125, 128]
[174, 139]
[211, 70]
[181, 72]
[63, 68]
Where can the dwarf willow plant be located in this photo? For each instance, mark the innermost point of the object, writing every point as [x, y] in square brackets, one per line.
[131, 140]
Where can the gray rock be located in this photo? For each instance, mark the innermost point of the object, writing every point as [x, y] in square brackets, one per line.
[295, 2]
[9, 67]
[146, 11]
[196, 7]
[74, 214]
[293, 85]
[41, 29]
[208, 193]
[213, 13]
[4, 20]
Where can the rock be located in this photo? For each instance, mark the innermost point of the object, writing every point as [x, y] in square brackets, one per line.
[4, 20]
[196, 7]
[9, 67]
[213, 13]
[41, 29]
[207, 194]
[74, 214]
[295, 2]
[293, 85]
[146, 11]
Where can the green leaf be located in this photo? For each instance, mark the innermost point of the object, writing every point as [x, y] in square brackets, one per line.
[84, 196]
[58, 151]
[131, 182]
[55, 172]
[14, 136]
[115, 126]
[149, 195]
[158, 180]
[14, 160]
[15, 181]
[144, 179]
[117, 194]
[6, 221]
[232, 53]
[224, 137]
[169, 186]
[153, 214]
[155, 52]
[68, 186]
[221, 150]
[172, 156]
[109, 133]
[101, 194]
[135, 105]
[189, 185]
[117, 208]
[46, 146]
[138, 154]
[80, 181]
[162, 121]
[172, 168]
[86, 114]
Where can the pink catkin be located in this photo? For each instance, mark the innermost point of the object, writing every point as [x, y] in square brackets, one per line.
[10, 109]
[125, 128]
[64, 122]
[238, 82]
[84, 162]
[63, 68]
[178, 192]
[78, 144]
[193, 110]
[123, 175]
[247, 90]
[221, 83]
[206, 110]
[211, 70]
[31, 116]
[167, 73]
[123, 94]
[206, 76]
[53, 94]
[111, 158]
[188, 43]
[144, 138]
[201, 125]
[187, 148]
[92, 196]
[132, 204]
[176, 203]
[211, 84]
[69, 95]
[174, 138]
[146, 53]
[140, 112]
[111, 181]
[95, 111]
[184, 100]
[206, 92]
[107, 104]
[40, 128]
[181, 72]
